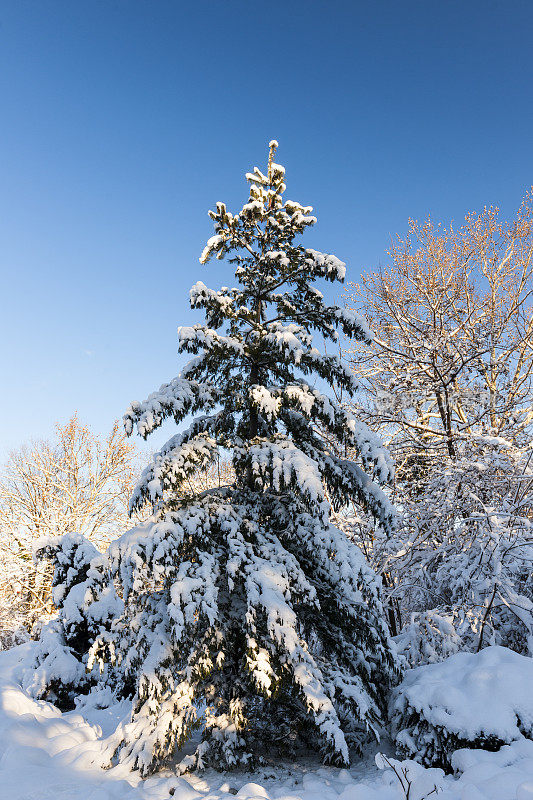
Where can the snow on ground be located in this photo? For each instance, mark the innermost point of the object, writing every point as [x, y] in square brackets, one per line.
[47, 755]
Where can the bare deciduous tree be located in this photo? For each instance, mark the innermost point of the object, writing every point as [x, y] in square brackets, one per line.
[77, 482]
[452, 314]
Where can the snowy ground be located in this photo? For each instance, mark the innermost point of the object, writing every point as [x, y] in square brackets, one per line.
[47, 755]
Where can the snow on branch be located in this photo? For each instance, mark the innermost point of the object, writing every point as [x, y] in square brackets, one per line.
[171, 467]
[279, 464]
[197, 337]
[327, 266]
[175, 399]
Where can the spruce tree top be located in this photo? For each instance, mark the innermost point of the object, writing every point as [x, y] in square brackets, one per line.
[253, 367]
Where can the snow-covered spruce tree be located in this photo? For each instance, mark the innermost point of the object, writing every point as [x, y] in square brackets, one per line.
[246, 614]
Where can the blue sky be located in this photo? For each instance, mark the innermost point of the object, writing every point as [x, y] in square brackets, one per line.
[123, 121]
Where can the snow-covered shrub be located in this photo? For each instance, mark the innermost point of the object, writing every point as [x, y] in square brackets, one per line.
[482, 541]
[463, 546]
[245, 612]
[428, 638]
[86, 602]
[477, 700]
[55, 673]
[413, 781]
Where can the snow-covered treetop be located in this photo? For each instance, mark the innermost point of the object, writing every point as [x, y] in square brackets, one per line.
[254, 364]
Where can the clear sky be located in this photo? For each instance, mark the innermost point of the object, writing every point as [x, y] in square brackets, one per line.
[122, 122]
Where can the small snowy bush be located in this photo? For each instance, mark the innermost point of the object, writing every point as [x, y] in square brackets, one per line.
[412, 780]
[86, 602]
[478, 700]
